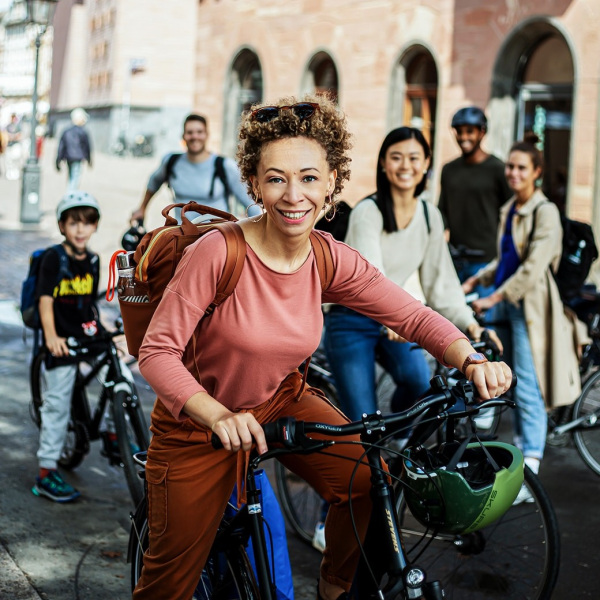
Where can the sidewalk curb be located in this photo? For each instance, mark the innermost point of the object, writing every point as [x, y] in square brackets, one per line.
[14, 585]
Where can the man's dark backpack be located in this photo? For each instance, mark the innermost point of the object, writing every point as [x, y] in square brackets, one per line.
[579, 251]
[218, 172]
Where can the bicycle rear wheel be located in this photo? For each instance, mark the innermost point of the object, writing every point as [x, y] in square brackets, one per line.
[76, 444]
[302, 506]
[225, 577]
[132, 435]
[515, 557]
[587, 439]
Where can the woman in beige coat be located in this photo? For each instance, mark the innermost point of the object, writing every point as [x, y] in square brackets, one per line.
[543, 350]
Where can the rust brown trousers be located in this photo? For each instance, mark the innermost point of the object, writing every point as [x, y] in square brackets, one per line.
[189, 484]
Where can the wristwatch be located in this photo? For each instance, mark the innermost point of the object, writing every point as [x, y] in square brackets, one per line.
[477, 358]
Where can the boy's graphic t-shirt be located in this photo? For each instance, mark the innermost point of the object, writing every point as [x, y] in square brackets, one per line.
[75, 311]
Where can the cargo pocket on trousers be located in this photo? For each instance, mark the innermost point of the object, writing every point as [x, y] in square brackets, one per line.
[156, 479]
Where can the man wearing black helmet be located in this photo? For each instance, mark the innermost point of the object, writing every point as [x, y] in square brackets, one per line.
[473, 188]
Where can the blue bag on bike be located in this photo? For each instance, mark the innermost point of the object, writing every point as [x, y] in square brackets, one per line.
[275, 537]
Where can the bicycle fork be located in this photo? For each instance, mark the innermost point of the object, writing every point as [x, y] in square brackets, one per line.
[402, 575]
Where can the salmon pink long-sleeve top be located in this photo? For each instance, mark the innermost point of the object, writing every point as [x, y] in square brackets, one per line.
[268, 326]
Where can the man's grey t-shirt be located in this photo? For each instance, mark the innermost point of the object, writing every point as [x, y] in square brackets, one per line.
[191, 182]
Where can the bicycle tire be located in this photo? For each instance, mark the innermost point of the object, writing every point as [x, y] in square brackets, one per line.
[235, 582]
[76, 444]
[587, 440]
[518, 556]
[301, 505]
[132, 435]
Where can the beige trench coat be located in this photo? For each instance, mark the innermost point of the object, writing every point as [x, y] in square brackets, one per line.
[552, 334]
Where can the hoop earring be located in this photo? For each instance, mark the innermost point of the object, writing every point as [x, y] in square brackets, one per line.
[255, 203]
[331, 209]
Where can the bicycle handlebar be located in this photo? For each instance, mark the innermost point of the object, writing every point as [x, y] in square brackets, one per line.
[291, 433]
[83, 346]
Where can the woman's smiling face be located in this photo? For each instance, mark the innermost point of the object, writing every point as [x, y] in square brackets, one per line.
[293, 181]
[404, 164]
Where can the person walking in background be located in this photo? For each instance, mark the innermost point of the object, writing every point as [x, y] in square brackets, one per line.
[74, 147]
[473, 188]
[14, 147]
[197, 175]
[542, 340]
[403, 237]
[67, 308]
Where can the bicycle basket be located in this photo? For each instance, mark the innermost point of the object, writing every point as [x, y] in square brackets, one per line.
[460, 494]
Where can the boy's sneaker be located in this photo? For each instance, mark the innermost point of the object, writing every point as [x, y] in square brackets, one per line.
[523, 497]
[53, 486]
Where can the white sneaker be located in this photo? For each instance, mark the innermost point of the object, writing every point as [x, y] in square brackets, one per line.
[318, 540]
[523, 497]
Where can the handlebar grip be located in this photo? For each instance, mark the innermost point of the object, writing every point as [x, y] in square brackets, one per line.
[215, 440]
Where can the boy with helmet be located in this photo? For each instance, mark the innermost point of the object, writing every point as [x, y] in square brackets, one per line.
[67, 307]
[473, 188]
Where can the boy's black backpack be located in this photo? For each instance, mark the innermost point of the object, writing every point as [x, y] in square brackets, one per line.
[218, 172]
[579, 251]
[29, 304]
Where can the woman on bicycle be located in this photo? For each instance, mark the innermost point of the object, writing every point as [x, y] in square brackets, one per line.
[404, 237]
[228, 373]
[543, 352]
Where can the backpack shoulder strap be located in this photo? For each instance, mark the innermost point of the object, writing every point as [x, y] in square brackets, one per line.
[64, 268]
[426, 213]
[324, 259]
[220, 173]
[234, 263]
[171, 165]
[530, 238]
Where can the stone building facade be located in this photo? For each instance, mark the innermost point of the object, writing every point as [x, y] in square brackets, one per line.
[531, 64]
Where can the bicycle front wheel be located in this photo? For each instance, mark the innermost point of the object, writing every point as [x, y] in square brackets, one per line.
[587, 437]
[515, 557]
[76, 444]
[225, 577]
[132, 435]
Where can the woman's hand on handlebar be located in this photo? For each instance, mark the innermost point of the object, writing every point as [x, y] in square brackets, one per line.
[475, 331]
[237, 431]
[492, 379]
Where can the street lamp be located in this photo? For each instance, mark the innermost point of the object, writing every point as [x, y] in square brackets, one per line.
[39, 14]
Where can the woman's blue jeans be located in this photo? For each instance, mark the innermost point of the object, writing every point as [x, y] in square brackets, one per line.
[529, 417]
[353, 343]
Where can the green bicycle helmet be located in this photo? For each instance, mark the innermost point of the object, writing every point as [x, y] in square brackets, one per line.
[459, 489]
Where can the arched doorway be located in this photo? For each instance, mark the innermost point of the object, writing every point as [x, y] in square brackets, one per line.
[321, 76]
[414, 92]
[536, 70]
[244, 88]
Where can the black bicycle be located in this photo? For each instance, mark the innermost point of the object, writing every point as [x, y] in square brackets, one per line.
[100, 373]
[302, 506]
[522, 545]
[581, 421]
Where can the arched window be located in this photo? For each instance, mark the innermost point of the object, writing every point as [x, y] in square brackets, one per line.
[322, 76]
[245, 87]
[545, 106]
[414, 93]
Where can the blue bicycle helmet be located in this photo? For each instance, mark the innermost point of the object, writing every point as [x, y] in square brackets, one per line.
[471, 115]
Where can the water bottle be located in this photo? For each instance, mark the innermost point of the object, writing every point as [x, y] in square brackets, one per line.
[126, 270]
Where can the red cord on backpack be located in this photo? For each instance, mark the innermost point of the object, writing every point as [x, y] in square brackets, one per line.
[112, 275]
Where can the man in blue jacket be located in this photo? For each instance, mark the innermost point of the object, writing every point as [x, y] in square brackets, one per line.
[74, 147]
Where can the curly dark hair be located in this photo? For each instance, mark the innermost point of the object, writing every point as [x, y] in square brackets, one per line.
[327, 126]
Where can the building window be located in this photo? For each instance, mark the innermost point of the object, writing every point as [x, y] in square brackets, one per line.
[245, 87]
[414, 93]
[322, 76]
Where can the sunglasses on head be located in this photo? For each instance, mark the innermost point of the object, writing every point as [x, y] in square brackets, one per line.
[303, 110]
